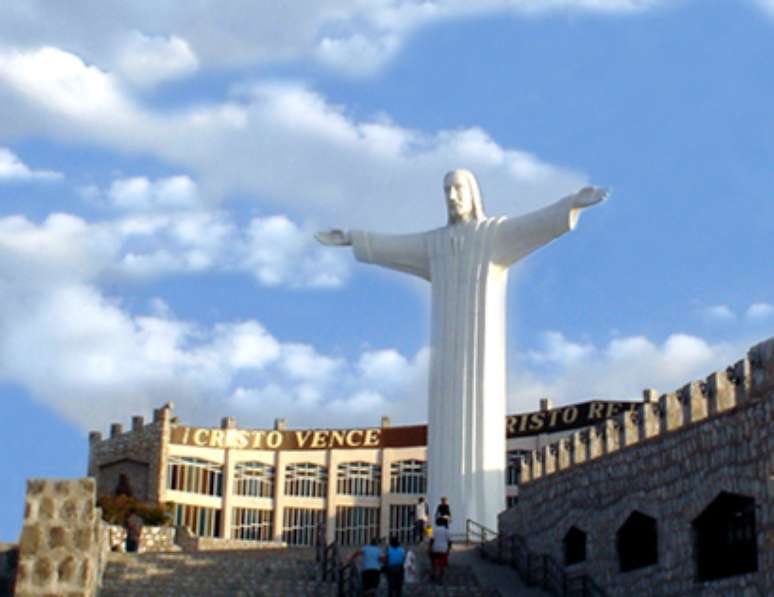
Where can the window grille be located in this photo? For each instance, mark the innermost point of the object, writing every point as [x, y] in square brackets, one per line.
[408, 477]
[254, 479]
[356, 525]
[306, 480]
[201, 521]
[513, 468]
[402, 519]
[359, 478]
[299, 525]
[252, 524]
[194, 476]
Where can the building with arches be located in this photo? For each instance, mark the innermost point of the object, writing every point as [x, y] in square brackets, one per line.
[278, 484]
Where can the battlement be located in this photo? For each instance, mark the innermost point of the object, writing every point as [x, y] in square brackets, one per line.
[750, 379]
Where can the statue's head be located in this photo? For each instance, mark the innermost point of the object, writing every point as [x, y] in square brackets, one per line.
[463, 199]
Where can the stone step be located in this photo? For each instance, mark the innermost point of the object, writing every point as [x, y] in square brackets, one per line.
[255, 573]
[250, 572]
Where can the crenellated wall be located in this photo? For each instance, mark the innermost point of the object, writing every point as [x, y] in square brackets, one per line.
[139, 453]
[669, 459]
[650, 421]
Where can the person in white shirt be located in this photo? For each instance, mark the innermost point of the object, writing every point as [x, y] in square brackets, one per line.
[420, 520]
[440, 546]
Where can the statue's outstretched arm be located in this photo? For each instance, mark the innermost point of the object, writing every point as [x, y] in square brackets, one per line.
[334, 237]
[402, 252]
[517, 237]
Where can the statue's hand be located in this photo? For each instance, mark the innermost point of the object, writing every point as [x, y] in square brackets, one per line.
[589, 196]
[335, 237]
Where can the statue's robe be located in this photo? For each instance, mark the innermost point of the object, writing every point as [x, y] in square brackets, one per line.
[467, 266]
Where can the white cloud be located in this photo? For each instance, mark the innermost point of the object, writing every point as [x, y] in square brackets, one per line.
[278, 252]
[718, 313]
[760, 311]
[88, 357]
[148, 42]
[145, 60]
[558, 350]
[357, 54]
[140, 194]
[285, 145]
[619, 370]
[12, 168]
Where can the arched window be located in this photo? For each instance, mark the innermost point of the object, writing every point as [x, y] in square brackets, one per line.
[637, 542]
[254, 479]
[574, 544]
[408, 477]
[513, 468]
[359, 478]
[305, 479]
[724, 536]
[194, 475]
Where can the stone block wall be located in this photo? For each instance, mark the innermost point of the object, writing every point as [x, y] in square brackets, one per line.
[61, 548]
[138, 453]
[153, 539]
[669, 460]
[187, 541]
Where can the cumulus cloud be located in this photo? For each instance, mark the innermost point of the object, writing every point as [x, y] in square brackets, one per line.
[141, 194]
[283, 144]
[760, 311]
[12, 168]
[147, 60]
[718, 313]
[619, 370]
[147, 42]
[87, 356]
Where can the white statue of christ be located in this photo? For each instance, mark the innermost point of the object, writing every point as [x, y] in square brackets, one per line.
[466, 263]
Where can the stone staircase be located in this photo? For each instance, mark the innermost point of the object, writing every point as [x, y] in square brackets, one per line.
[266, 572]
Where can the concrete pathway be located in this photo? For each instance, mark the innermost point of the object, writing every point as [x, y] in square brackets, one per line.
[502, 578]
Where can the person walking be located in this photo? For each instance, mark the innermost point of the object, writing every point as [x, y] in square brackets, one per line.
[410, 568]
[395, 558]
[440, 546]
[371, 567]
[133, 531]
[444, 511]
[421, 516]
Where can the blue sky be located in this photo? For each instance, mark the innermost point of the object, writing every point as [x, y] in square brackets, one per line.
[162, 173]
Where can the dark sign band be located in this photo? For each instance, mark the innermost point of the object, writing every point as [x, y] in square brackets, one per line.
[523, 425]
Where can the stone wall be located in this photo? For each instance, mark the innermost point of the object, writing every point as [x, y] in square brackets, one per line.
[138, 453]
[61, 548]
[669, 460]
[190, 542]
[153, 539]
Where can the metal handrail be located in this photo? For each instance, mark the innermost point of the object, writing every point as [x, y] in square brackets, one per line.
[473, 528]
[541, 570]
[349, 580]
[330, 565]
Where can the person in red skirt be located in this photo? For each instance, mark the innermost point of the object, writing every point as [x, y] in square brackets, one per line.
[440, 546]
